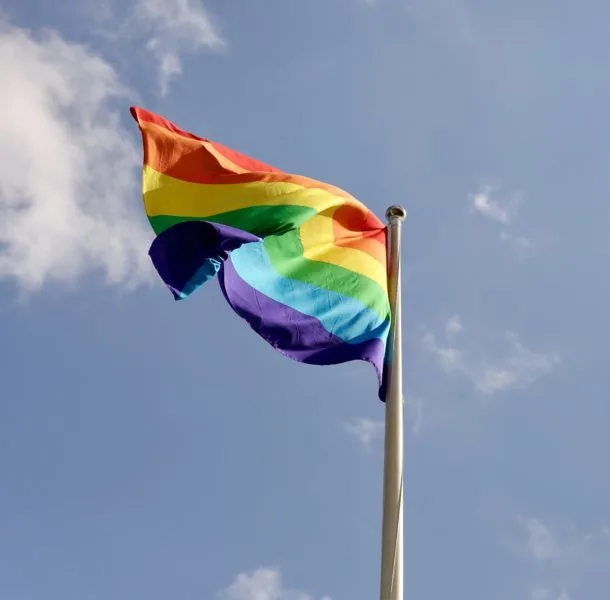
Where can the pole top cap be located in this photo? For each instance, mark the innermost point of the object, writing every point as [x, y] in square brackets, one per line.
[396, 213]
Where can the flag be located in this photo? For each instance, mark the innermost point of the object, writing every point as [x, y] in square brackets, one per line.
[303, 262]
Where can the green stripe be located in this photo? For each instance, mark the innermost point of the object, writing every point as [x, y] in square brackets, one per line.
[286, 255]
[283, 244]
[259, 220]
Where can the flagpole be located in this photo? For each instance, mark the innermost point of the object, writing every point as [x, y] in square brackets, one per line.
[392, 528]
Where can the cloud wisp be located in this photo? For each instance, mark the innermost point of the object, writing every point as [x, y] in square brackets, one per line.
[517, 366]
[544, 545]
[484, 203]
[548, 593]
[520, 243]
[173, 28]
[366, 431]
[263, 584]
[454, 325]
[68, 188]
[369, 432]
[562, 558]
[541, 543]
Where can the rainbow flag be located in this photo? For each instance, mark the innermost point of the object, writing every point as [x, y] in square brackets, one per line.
[303, 262]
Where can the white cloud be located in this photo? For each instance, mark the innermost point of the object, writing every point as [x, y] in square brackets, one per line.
[262, 584]
[454, 325]
[484, 204]
[173, 28]
[424, 416]
[68, 192]
[572, 548]
[519, 242]
[369, 431]
[516, 367]
[541, 594]
[568, 555]
[450, 359]
[541, 544]
[366, 431]
[546, 593]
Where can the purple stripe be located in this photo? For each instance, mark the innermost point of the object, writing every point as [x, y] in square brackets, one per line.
[189, 253]
[296, 335]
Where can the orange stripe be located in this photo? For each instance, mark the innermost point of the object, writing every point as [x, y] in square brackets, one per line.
[320, 244]
[171, 151]
[197, 161]
[146, 118]
[178, 157]
[141, 115]
[351, 222]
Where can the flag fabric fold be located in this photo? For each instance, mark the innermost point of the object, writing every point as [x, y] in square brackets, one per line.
[303, 262]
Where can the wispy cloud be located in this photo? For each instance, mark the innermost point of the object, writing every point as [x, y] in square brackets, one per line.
[68, 185]
[366, 431]
[562, 557]
[516, 366]
[519, 242]
[174, 28]
[546, 593]
[263, 584]
[485, 204]
[541, 544]
[454, 325]
[369, 431]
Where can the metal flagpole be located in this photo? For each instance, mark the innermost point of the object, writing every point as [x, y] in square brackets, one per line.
[392, 529]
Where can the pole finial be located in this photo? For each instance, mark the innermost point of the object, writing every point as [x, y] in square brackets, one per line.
[396, 213]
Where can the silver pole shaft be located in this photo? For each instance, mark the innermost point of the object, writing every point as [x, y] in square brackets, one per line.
[392, 529]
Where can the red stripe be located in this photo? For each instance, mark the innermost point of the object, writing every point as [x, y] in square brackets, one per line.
[179, 154]
[187, 159]
[350, 222]
[142, 115]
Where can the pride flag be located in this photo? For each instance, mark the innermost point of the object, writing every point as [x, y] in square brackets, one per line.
[303, 262]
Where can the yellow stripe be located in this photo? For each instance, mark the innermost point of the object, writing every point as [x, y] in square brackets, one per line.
[317, 237]
[164, 195]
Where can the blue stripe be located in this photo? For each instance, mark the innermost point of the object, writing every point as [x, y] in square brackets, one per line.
[343, 316]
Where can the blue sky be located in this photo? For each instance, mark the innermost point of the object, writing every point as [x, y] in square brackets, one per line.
[156, 450]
